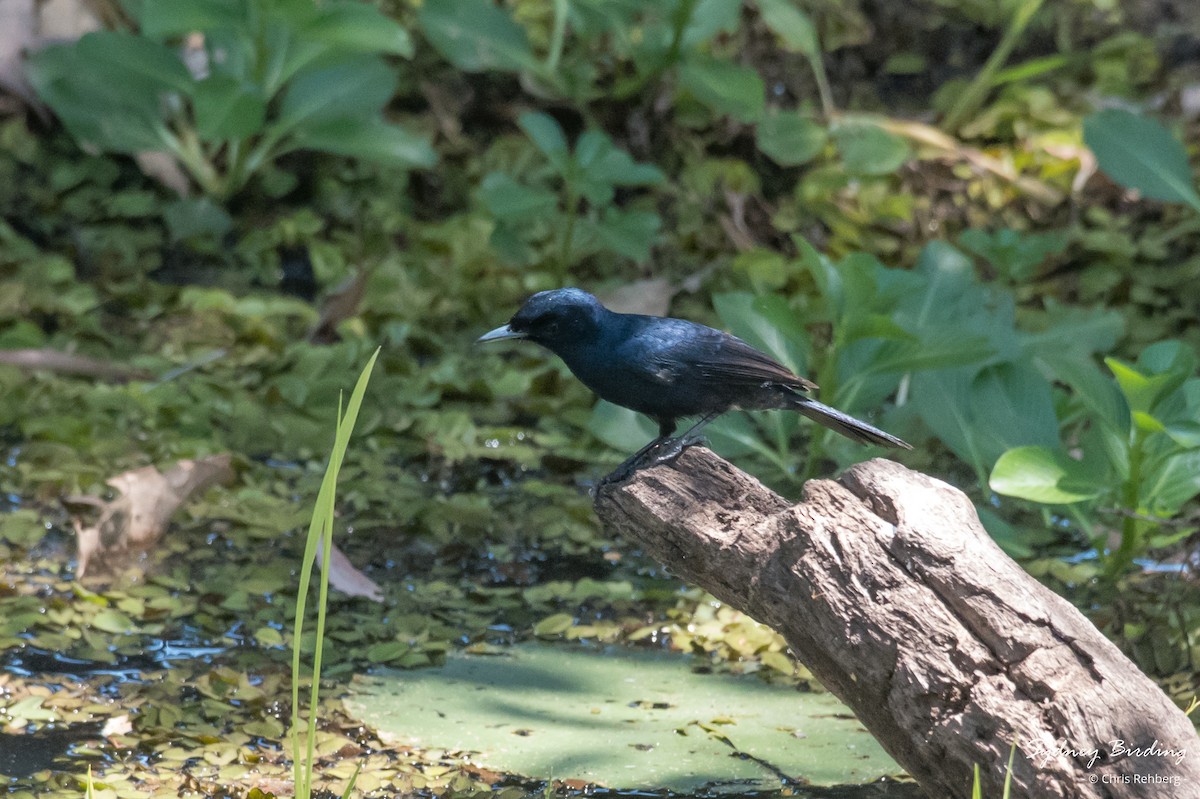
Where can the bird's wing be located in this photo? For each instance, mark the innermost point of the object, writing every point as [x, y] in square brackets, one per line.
[674, 345]
[735, 361]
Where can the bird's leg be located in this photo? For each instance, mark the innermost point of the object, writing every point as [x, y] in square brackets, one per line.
[634, 461]
[673, 448]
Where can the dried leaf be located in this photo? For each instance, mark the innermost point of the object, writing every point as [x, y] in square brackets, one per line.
[134, 521]
[341, 304]
[346, 578]
[165, 169]
[18, 33]
[651, 297]
[67, 363]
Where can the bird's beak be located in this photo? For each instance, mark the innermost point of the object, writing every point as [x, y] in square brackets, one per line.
[499, 334]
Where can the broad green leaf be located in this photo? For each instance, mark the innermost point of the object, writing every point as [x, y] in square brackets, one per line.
[476, 35]
[1096, 390]
[1147, 423]
[135, 63]
[547, 135]
[622, 429]
[710, 17]
[359, 87]
[359, 27]
[795, 30]
[1140, 153]
[937, 349]
[868, 149]
[1016, 254]
[95, 106]
[112, 621]
[1171, 484]
[766, 322]
[1168, 356]
[1013, 405]
[369, 139]
[506, 198]
[629, 233]
[1140, 390]
[724, 87]
[1073, 331]
[162, 18]
[1040, 474]
[227, 109]
[736, 434]
[196, 217]
[790, 138]
[1184, 433]
[981, 413]
[603, 163]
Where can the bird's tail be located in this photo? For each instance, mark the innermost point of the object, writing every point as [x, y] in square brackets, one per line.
[847, 425]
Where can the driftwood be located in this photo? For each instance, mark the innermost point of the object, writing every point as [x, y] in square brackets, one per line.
[889, 590]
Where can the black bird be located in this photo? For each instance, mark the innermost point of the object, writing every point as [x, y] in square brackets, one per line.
[667, 369]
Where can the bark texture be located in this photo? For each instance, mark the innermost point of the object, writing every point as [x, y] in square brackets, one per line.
[888, 589]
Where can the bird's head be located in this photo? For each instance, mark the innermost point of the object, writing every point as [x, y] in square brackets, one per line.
[556, 319]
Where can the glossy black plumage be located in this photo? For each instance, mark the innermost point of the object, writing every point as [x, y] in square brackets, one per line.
[669, 368]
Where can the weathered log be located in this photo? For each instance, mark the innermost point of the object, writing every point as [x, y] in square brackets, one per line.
[886, 586]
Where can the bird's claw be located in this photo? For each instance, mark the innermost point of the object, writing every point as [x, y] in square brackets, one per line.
[662, 453]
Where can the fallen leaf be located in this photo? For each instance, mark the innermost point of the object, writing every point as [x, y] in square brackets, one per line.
[164, 168]
[136, 520]
[346, 578]
[26, 26]
[66, 363]
[18, 33]
[116, 725]
[651, 297]
[341, 304]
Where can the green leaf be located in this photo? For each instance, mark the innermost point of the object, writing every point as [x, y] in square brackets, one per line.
[766, 322]
[226, 108]
[1184, 433]
[628, 233]
[795, 30]
[112, 621]
[1016, 254]
[981, 413]
[139, 64]
[162, 18]
[1140, 153]
[604, 164]
[359, 27]
[553, 626]
[1141, 391]
[359, 86]
[268, 637]
[196, 216]
[1040, 474]
[475, 35]
[95, 107]
[790, 138]
[506, 198]
[108, 88]
[724, 87]
[620, 428]
[1172, 484]
[708, 18]
[369, 139]
[547, 135]
[868, 149]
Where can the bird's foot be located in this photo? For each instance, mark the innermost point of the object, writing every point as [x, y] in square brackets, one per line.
[672, 448]
[663, 452]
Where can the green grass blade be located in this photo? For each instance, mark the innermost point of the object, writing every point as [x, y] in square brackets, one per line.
[320, 528]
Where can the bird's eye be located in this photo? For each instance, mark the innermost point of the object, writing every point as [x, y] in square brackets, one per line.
[552, 329]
